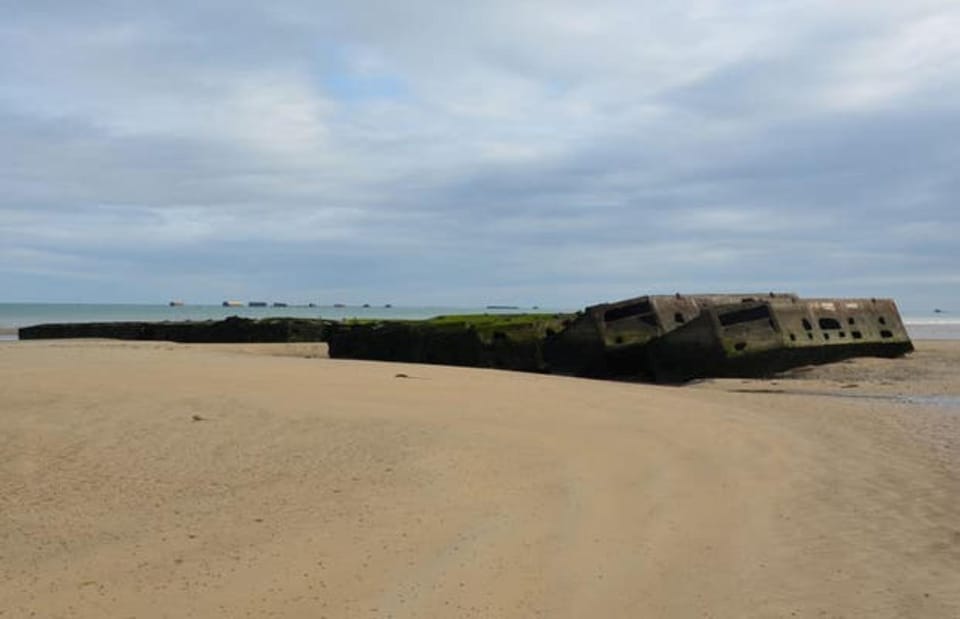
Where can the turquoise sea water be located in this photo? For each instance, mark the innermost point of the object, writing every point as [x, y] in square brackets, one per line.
[15, 315]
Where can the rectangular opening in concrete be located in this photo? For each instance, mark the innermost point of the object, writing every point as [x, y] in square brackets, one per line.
[642, 310]
[760, 312]
[829, 323]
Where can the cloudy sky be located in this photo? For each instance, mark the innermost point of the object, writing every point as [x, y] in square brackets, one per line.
[431, 152]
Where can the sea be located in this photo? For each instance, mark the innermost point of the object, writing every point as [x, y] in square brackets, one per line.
[16, 315]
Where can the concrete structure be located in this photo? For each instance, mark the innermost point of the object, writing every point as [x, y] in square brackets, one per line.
[767, 336]
[232, 329]
[668, 338]
[611, 338]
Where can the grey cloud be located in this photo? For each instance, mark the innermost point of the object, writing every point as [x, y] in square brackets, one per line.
[428, 152]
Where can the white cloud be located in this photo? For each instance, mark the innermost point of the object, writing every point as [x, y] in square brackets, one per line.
[917, 56]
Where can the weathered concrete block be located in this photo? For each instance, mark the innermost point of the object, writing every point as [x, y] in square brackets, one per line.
[233, 329]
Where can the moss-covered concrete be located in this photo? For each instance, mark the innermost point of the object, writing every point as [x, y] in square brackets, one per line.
[513, 341]
[672, 338]
[233, 329]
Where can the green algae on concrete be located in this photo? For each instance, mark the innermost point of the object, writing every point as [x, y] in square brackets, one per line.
[671, 338]
[230, 330]
[507, 341]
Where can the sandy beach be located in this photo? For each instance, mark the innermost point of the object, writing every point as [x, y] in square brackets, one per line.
[165, 480]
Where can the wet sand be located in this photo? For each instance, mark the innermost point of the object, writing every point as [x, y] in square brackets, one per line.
[164, 480]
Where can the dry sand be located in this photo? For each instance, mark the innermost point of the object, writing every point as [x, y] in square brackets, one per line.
[162, 480]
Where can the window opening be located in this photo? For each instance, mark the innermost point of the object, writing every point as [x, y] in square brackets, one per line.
[625, 311]
[745, 315]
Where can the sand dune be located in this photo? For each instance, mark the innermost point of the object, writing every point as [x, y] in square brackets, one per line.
[161, 480]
